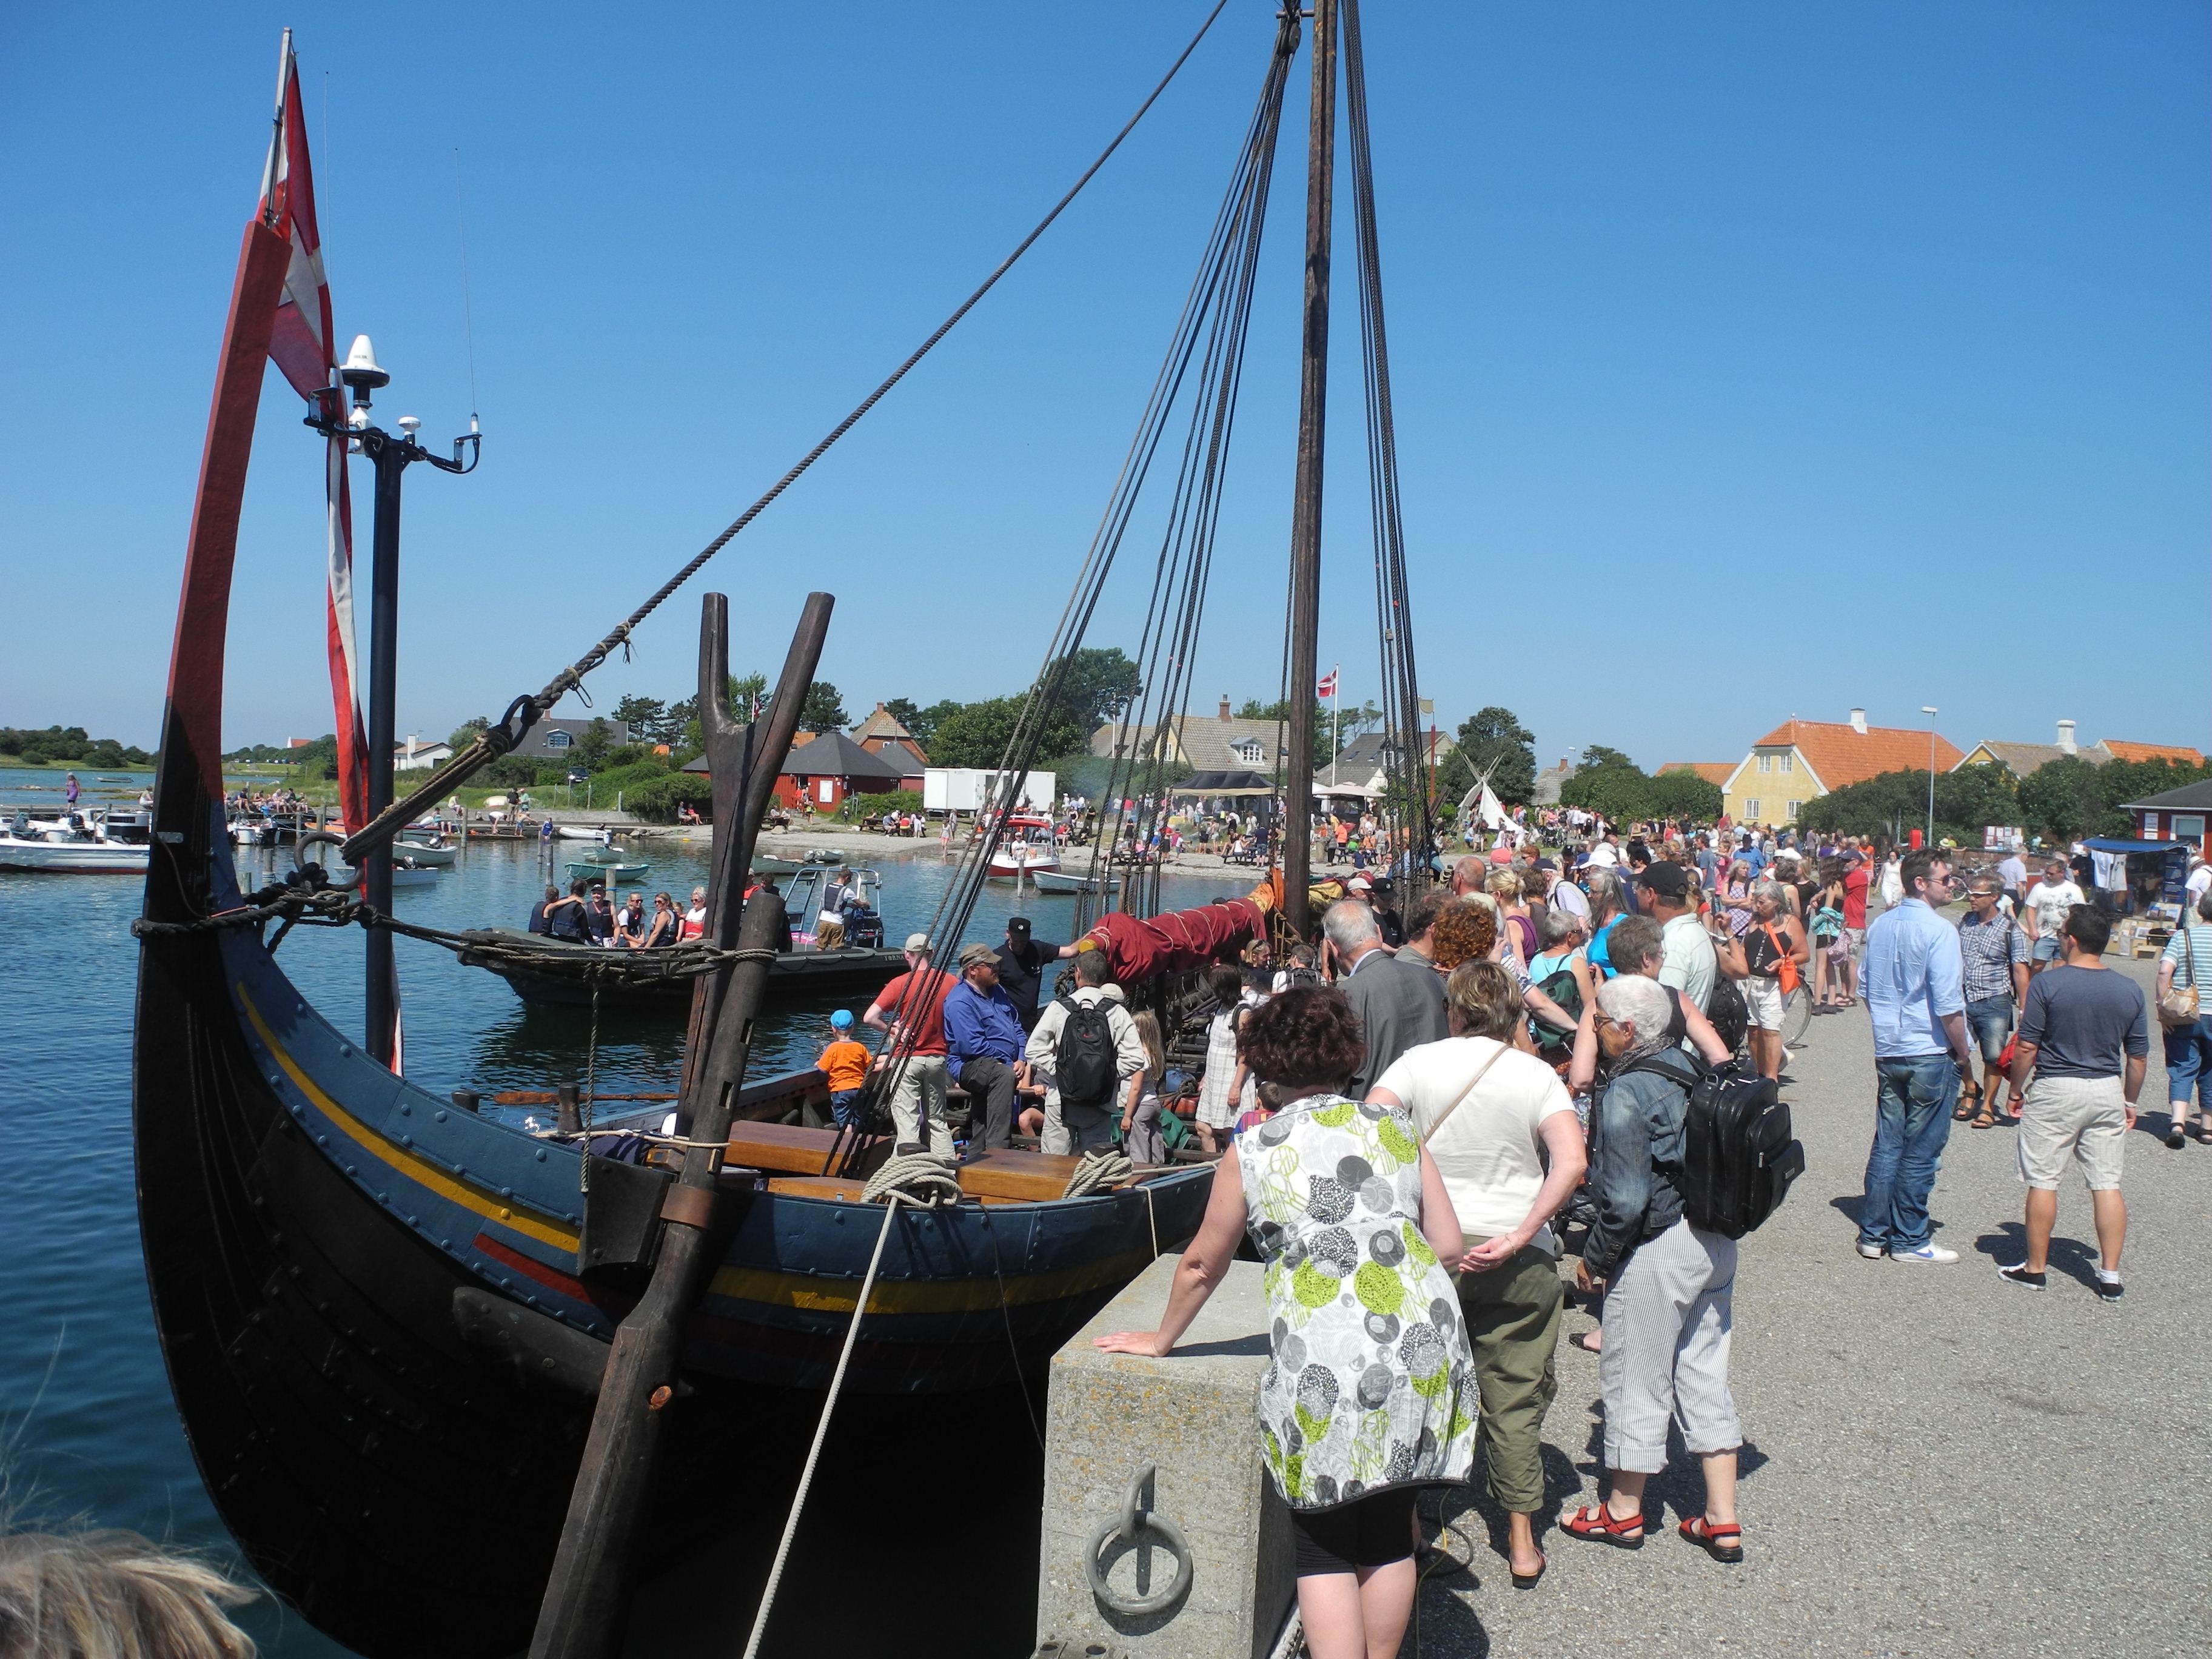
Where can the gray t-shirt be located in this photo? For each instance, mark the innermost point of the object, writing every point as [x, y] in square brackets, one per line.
[2084, 1022]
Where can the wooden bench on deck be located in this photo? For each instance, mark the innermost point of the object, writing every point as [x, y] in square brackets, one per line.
[796, 1160]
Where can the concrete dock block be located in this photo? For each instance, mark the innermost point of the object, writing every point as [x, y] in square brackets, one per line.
[1191, 1416]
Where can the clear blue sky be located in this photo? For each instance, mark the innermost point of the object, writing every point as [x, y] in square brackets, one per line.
[1750, 360]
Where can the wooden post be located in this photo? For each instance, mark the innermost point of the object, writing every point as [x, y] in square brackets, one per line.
[581, 1616]
[1305, 512]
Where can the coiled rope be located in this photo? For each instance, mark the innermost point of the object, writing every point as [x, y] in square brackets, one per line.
[928, 1181]
[1096, 1171]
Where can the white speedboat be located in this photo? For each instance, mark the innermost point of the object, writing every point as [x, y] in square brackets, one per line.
[1057, 881]
[436, 852]
[1027, 849]
[73, 848]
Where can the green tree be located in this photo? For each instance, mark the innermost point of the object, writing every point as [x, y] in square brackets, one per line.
[1684, 795]
[2062, 798]
[747, 692]
[975, 733]
[646, 717]
[904, 710]
[1253, 709]
[592, 748]
[468, 731]
[926, 722]
[1487, 735]
[1611, 785]
[1099, 683]
[824, 709]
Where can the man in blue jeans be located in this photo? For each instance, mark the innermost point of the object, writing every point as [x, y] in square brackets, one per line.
[1912, 981]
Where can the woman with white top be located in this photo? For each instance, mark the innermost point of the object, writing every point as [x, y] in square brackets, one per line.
[1503, 1133]
[2188, 962]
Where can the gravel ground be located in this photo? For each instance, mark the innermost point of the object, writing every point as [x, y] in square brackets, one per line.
[1937, 1462]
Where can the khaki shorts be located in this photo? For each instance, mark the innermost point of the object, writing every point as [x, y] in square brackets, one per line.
[2084, 1118]
[1762, 1001]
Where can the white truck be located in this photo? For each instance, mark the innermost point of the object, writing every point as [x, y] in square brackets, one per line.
[964, 791]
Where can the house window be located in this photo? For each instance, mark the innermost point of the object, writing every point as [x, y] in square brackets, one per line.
[1766, 763]
[1790, 811]
[1248, 751]
[559, 740]
[1785, 762]
[824, 791]
[1751, 809]
[2188, 827]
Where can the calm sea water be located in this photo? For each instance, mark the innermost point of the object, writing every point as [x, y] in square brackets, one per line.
[87, 1426]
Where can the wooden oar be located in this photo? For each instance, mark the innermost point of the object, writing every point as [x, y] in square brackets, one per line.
[582, 1615]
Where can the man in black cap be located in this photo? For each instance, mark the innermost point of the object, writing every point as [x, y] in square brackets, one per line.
[1022, 965]
[1690, 963]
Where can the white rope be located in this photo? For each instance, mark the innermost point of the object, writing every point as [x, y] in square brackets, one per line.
[921, 1179]
[1096, 1171]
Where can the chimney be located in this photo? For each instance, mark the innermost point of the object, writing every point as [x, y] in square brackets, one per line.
[1858, 721]
[2066, 736]
[1224, 705]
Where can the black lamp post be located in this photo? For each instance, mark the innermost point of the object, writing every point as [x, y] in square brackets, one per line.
[391, 456]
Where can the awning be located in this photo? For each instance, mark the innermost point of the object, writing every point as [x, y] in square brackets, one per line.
[1225, 783]
[2101, 844]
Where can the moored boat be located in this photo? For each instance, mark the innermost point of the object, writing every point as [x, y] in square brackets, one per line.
[1027, 848]
[1059, 881]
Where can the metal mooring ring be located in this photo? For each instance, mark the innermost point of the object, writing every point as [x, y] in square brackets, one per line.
[1134, 1520]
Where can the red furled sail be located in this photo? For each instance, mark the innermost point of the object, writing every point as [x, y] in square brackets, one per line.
[303, 348]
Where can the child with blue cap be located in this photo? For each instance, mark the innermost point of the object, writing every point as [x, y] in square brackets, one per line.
[846, 1062]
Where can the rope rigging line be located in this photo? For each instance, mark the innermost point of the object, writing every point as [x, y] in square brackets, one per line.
[1224, 273]
[527, 709]
[1407, 808]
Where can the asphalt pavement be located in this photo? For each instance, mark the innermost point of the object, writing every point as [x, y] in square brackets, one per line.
[1937, 1462]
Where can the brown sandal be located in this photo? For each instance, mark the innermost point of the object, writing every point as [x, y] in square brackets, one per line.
[1983, 1120]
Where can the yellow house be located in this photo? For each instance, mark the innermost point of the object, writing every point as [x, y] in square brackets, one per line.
[1800, 759]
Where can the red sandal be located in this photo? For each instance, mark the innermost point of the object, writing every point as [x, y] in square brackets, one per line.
[1722, 1541]
[1594, 1522]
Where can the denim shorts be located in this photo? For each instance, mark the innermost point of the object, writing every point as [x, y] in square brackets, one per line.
[1991, 1021]
[2049, 949]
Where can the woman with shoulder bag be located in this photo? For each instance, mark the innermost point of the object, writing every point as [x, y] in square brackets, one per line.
[1491, 1115]
[2182, 1010]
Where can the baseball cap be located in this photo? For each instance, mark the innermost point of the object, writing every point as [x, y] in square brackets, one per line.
[1018, 927]
[842, 1019]
[972, 954]
[1501, 855]
[917, 941]
[1668, 880]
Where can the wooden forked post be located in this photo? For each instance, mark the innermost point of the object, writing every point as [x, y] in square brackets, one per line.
[582, 1615]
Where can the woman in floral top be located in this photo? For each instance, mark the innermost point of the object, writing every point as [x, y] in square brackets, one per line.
[1371, 1395]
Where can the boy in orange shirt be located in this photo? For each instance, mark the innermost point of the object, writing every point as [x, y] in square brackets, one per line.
[846, 1062]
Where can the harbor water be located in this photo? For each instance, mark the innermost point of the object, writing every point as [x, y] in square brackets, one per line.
[87, 1429]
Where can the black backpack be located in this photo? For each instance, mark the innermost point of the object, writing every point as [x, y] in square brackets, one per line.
[1725, 1007]
[1739, 1155]
[1085, 1058]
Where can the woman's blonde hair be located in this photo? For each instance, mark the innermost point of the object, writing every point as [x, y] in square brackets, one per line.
[1504, 882]
[1483, 1000]
[114, 1595]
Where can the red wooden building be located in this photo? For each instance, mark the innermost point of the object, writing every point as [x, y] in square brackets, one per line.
[825, 767]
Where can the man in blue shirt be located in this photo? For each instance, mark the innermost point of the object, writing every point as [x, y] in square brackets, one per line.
[1913, 984]
[983, 1042]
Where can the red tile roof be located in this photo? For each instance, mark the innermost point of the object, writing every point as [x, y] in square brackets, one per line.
[2124, 751]
[1840, 755]
[1717, 772]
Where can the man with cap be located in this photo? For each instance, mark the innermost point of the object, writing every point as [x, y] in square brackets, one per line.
[983, 1040]
[911, 1009]
[1022, 967]
[1689, 964]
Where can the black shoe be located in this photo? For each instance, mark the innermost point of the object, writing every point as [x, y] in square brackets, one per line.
[2176, 1137]
[2109, 1290]
[2019, 1274]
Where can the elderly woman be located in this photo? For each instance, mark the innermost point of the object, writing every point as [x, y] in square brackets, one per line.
[1668, 1309]
[1774, 949]
[1503, 1133]
[1371, 1395]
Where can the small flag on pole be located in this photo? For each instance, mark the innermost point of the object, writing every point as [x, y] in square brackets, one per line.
[1327, 687]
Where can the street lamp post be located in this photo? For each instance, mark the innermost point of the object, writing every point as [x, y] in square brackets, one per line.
[391, 457]
[1929, 709]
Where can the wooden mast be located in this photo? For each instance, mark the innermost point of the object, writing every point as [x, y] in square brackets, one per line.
[1305, 517]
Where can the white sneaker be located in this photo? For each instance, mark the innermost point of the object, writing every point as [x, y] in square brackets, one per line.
[1873, 1252]
[1933, 1253]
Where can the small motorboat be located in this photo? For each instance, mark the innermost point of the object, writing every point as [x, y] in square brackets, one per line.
[850, 895]
[608, 870]
[602, 833]
[433, 851]
[249, 832]
[1058, 881]
[1027, 849]
[72, 846]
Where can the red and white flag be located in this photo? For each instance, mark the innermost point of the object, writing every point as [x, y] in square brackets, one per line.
[305, 351]
[1328, 686]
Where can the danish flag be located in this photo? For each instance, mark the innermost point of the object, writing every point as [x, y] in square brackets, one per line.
[1327, 687]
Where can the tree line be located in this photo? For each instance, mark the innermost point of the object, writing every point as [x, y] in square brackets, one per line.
[2063, 799]
[69, 745]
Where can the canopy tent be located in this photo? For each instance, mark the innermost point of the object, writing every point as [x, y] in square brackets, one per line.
[1343, 791]
[2144, 872]
[2105, 844]
[1224, 784]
